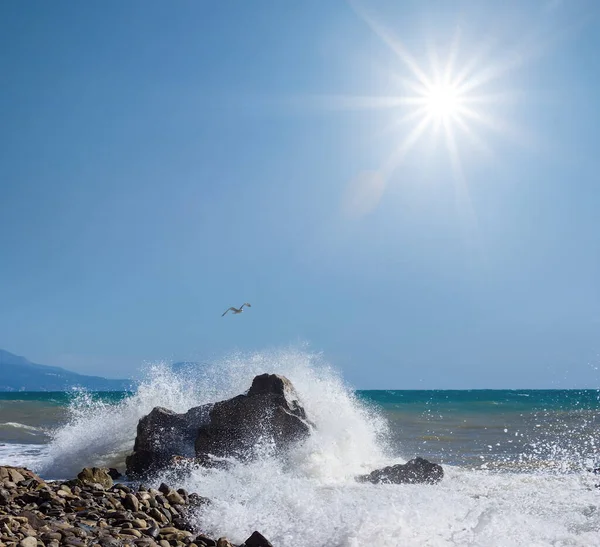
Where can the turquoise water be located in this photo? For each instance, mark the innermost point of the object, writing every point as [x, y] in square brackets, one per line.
[486, 400]
[504, 429]
[494, 429]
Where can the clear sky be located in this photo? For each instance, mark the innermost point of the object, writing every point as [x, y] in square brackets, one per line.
[411, 187]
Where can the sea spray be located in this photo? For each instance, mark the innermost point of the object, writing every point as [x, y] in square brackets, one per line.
[349, 438]
[100, 433]
[467, 508]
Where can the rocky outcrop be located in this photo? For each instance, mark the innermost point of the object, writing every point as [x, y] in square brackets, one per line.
[269, 412]
[162, 435]
[416, 471]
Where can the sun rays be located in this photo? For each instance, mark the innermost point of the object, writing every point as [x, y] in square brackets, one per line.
[445, 99]
[444, 96]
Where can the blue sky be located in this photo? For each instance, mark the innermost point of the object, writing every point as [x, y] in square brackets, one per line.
[162, 161]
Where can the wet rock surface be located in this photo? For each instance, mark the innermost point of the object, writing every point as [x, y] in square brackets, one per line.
[36, 513]
[270, 411]
[415, 471]
[162, 435]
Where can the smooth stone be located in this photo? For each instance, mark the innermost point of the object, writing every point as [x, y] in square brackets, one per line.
[50, 536]
[131, 532]
[131, 502]
[153, 531]
[168, 530]
[175, 498]
[28, 542]
[157, 515]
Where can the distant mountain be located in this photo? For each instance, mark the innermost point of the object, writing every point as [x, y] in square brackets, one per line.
[20, 374]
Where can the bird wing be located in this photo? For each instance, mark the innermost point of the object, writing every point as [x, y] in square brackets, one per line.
[246, 304]
[228, 309]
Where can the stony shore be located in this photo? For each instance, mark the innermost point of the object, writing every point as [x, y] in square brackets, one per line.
[92, 510]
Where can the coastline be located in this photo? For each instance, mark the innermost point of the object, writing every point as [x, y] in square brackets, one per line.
[94, 510]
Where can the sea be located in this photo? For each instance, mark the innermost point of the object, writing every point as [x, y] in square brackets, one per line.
[518, 464]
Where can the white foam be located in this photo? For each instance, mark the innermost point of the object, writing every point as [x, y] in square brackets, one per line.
[17, 425]
[22, 455]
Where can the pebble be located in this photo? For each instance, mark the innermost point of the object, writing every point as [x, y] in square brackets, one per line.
[131, 532]
[92, 511]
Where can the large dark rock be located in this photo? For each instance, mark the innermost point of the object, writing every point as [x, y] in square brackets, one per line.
[269, 414]
[414, 471]
[162, 435]
[269, 411]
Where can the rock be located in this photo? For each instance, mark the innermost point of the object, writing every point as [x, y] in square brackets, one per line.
[175, 498]
[153, 531]
[28, 542]
[223, 542]
[130, 502]
[15, 476]
[34, 520]
[205, 540]
[270, 411]
[415, 471]
[114, 473]
[131, 532]
[18, 474]
[257, 540]
[4, 496]
[95, 475]
[161, 435]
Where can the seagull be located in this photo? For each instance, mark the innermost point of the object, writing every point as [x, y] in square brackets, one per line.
[237, 310]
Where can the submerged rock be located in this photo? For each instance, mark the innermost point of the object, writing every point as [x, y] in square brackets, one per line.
[269, 412]
[415, 471]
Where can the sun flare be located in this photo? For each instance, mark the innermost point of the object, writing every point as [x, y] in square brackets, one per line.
[442, 102]
[442, 97]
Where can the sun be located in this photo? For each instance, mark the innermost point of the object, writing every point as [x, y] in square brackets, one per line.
[442, 102]
[444, 96]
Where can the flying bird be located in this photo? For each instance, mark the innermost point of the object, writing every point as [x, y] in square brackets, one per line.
[237, 310]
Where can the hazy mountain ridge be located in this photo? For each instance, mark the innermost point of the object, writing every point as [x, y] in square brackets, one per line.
[19, 374]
